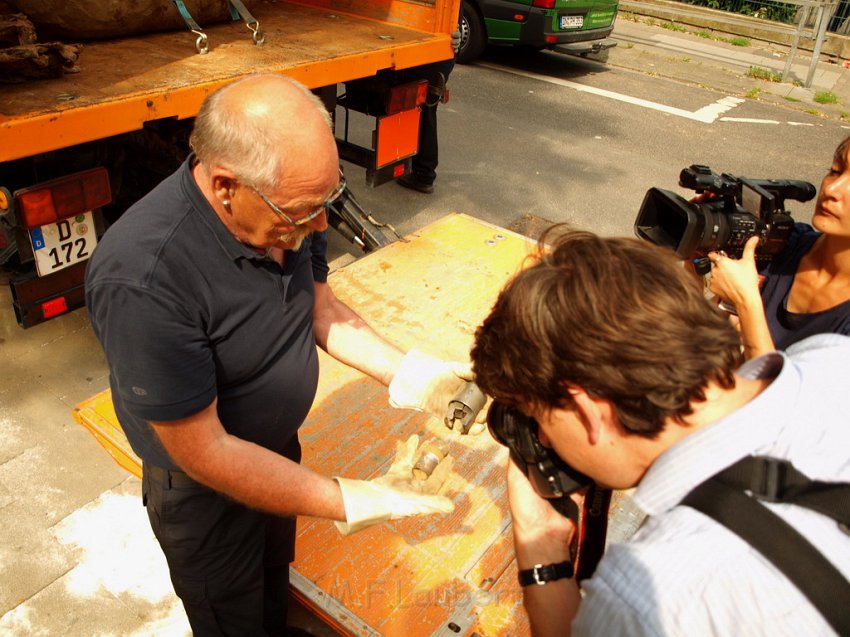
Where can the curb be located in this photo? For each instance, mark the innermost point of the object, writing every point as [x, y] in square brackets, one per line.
[834, 45]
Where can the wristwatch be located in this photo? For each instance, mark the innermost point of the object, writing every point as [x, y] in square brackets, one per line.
[541, 574]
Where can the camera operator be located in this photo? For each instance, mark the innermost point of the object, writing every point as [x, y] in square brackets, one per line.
[633, 379]
[806, 287]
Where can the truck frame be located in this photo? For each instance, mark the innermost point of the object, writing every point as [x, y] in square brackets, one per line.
[78, 150]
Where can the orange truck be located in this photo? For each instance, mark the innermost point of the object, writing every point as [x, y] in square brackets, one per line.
[77, 150]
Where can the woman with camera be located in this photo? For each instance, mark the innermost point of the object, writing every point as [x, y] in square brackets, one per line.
[805, 289]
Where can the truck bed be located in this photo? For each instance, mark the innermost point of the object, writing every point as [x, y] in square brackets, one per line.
[125, 82]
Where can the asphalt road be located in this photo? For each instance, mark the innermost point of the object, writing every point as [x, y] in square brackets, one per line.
[573, 140]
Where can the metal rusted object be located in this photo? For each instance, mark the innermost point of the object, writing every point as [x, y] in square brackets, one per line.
[98, 19]
[23, 58]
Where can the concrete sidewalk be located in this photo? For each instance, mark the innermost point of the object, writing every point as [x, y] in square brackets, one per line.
[696, 49]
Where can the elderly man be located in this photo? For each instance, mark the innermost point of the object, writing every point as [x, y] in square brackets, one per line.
[619, 366]
[209, 297]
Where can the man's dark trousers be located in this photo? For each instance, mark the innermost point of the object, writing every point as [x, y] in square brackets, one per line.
[229, 564]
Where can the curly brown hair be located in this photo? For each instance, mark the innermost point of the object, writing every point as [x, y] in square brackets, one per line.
[618, 317]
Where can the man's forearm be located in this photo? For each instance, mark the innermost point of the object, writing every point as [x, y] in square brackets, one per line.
[551, 607]
[264, 480]
[343, 334]
[246, 472]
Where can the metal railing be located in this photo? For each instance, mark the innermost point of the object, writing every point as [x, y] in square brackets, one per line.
[811, 18]
[784, 12]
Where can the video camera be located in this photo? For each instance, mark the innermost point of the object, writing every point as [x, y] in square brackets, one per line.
[741, 208]
[551, 477]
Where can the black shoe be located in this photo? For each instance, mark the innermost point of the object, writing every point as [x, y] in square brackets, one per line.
[412, 182]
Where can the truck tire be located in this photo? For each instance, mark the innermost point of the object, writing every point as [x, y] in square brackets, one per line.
[473, 34]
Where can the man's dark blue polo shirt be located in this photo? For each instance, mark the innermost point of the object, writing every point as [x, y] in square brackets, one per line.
[186, 313]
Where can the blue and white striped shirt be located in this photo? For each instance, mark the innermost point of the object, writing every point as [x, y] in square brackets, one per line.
[683, 573]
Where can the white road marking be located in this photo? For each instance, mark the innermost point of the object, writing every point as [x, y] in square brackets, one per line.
[750, 120]
[706, 114]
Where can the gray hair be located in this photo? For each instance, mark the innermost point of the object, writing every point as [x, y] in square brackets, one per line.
[250, 147]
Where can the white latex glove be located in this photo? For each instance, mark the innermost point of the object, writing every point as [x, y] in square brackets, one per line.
[425, 383]
[395, 495]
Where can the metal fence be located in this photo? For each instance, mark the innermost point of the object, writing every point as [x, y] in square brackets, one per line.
[777, 11]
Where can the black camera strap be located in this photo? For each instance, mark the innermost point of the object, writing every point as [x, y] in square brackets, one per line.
[724, 498]
[594, 529]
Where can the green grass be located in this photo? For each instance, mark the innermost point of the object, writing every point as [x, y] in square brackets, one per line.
[825, 97]
[739, 41]
[753, 93]
[764, 74]
[813, 111]
[672, 26]
[845, 115]
[791, 99]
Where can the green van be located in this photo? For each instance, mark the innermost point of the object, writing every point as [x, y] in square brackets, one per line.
[578, 27]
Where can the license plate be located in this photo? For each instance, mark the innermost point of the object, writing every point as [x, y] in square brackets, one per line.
[572, 21]
[59, 245]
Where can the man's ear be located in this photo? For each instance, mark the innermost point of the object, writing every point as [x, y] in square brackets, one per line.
[223, 182]
[595, 413]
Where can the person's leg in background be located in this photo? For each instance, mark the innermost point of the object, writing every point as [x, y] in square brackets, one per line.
[424, 168]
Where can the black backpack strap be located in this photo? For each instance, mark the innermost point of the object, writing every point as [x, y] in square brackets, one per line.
[775, 480]
[805, 566]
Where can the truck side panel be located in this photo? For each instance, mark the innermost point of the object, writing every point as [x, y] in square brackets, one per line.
[126, 82]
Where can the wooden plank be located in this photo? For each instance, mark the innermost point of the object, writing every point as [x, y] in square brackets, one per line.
[125, 82]
[415, 576]
[97, 414]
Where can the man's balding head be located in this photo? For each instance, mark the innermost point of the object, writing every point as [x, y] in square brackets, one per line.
[259, 124]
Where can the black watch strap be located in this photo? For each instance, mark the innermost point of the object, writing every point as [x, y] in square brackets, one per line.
[541, 574]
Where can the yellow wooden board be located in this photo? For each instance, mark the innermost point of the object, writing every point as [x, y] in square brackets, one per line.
[451, 575]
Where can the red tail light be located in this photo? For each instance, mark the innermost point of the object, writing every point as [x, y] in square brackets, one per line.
[543, 4]
[406, 96]
[61, 198]
[54, 307]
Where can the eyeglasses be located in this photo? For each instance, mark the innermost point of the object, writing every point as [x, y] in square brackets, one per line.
[336, 194]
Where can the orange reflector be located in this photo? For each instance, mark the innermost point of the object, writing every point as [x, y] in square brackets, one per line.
[406, 96]
[65, 197]
[519, 17]
[552, 39]
[397, 137]
[54, 307]
[398, 171]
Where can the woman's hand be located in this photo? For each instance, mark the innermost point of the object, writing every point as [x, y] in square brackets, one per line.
[736, 280]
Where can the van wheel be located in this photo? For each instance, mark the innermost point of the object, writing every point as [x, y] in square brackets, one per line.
[473, 34]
